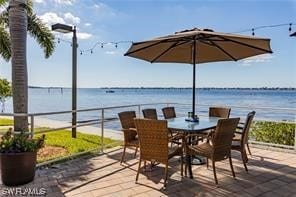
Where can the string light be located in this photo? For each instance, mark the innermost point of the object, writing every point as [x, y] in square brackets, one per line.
[115, 44]
[264, 27]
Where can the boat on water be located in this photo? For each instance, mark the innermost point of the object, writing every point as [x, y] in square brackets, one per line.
[110, 91]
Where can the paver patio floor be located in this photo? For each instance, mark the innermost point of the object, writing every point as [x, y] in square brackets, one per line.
[270, 173]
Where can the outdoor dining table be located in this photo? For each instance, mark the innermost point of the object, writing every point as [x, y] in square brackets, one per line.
[181, 125]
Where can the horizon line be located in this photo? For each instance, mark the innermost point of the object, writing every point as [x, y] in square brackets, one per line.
[159, 87]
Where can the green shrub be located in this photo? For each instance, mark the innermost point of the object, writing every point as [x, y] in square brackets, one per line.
[273, 132]
[18, 143]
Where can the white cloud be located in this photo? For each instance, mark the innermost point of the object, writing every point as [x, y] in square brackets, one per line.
[65, 2]
[51, 18]
[38, 1]
[69, 18]
[111, 52]
[83, 35]
[103, 9]
[80, 35]
[87, 24]
[257, 59]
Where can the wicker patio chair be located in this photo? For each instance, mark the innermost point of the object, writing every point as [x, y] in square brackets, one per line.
[168, 112]
[150, 114]
[220, 148]
[240, 140]
[154, 140]
[129, 131]
[220, 112]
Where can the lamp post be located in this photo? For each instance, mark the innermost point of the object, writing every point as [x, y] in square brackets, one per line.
[67, 29]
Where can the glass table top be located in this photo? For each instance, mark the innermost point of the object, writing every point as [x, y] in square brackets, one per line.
[204, 123]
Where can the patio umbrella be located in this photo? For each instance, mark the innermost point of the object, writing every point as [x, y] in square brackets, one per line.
[198, 46]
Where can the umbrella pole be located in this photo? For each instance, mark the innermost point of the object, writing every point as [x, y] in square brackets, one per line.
[193, 93]
[193, 90]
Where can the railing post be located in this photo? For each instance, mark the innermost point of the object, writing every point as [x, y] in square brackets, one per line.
[32, 125]
[295, 139]
[102, 131]
[139, 110]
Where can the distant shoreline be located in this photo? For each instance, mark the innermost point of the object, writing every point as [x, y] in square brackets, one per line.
[166, 88]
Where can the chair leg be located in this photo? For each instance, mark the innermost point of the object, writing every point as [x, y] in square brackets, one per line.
[123, 154]
[207, 163]
[249, 149]
[214, 170]
[243, 153]
[137, 177]
[166, 174]
[182, 165]
[136, 152]
[231, 166]
[245, 156]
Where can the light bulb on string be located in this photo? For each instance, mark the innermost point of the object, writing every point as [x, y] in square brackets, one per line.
[91, 51]
[116, 45]
[80, 52]
[59, 41]
[102, 45]
[253, 33]
[290, 27]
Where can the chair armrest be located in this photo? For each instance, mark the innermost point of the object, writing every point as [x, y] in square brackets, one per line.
[133, 129]
[129, 134]
[239, 127]
[238, 132]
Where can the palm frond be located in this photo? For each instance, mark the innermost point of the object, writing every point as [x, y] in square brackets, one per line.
[3, 2]
[4, 19]
[42, 34]
[5, 49]
[29, 7]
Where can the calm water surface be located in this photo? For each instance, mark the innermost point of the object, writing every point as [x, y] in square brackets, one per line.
[43, 100]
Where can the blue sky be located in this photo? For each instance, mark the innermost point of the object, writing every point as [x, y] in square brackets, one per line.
[115, 20]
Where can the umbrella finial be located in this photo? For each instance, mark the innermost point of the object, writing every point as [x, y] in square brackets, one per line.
[194, 29]
[187, 30]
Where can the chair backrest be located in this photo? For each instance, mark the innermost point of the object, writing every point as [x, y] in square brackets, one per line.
[221, 112]
[153, 139]
[127, 119]
[150, 114]
[246, 128]
[222, 138]
[169, 112]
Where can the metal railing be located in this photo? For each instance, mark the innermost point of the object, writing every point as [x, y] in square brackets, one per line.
[102, 119]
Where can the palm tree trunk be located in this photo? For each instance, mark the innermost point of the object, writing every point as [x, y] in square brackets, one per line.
[18, 34]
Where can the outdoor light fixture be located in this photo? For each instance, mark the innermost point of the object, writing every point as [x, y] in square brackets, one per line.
[67, 29]
[62, 28]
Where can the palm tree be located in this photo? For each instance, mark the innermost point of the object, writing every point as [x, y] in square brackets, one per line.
[19, 18]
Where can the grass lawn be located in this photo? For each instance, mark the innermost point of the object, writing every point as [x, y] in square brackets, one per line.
[60, 143]
[6, 122]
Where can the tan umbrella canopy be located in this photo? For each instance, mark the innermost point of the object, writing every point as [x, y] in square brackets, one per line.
[198, 46]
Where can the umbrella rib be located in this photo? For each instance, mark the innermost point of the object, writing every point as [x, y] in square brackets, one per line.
[128, 53]
[168, 49]
[237, 42]
[224, 51]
